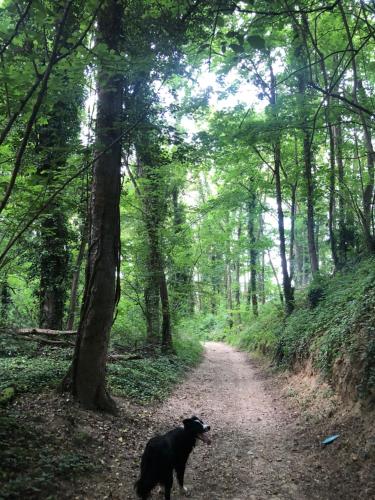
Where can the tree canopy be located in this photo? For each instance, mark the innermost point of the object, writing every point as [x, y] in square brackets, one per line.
[203, 157]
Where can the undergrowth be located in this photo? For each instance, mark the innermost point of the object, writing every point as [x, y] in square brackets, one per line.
[334, 318]
[29, 368]
[152, 377]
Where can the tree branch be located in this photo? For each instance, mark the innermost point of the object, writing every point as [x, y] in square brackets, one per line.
[17, 27]
[341, 98]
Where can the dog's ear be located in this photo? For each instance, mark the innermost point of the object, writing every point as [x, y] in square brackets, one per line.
[187, 422]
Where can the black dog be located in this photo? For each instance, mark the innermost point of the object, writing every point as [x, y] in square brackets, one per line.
[169, 452]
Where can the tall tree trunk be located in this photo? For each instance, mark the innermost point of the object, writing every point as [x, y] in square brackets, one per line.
[368, 191]
[5, 300]
[53, 145]
[293, 211]
[53, 266]
[213, 294]
[156, 283]
[152, 287]
[342, 243]
[238, 270]
[180, 281]
[75, 279]
[166, 327]
[301, 30]
[261, 280]
[251, 207]
[276, 279]
[287, 285]
[102, 274]
[305, 30]
[158, 274]
[152, 309]
[309, 193]
[332, 200]
[229, 296]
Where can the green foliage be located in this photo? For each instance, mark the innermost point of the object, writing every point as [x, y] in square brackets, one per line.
[338, 325]
[206, 326]
[259, 334]
[32, 374]
[152, 378]
[6, 395]
[25, 369]
[316, 290]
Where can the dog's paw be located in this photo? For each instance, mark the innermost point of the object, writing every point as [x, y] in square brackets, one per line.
[184, 491]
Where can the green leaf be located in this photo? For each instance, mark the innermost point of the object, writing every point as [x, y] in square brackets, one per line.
[220, 22]
[257, 42]
[236, 48]
[204, 46]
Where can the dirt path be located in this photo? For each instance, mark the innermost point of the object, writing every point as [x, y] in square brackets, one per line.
[247, 458]
[260, 449]
[251, 456]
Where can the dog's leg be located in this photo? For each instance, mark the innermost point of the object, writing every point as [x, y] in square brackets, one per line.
[168, 486]
[180, 472]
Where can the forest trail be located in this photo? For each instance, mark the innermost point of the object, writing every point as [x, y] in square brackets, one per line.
[260, 448]
[249, 457]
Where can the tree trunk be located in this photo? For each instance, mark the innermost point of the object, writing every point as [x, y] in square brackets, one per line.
[276, 279]
[54, 140]
[342, 243]
[251, 206]
[152, 287]
[261, 280]
[305, 29]
[213, 284]
[160, 285]
[53, 265]
[228, 280]
[287, 285]
[180, 281]
[5, 300]
[75, 279]
[368, 191]
[310, 196]
[293, 211]
[238, 270]
[102, 275]
[301, 31]
[152, 309]
[166, 327]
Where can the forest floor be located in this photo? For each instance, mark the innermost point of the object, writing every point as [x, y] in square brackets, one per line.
[266, 435]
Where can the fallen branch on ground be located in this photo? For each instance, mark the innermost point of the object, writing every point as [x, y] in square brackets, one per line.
[43, 331]
[58, 343]
[122, 357]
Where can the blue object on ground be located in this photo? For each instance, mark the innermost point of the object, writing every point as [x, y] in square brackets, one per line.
[330, 439]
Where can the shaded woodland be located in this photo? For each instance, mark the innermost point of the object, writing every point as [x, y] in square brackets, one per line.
[179, 166]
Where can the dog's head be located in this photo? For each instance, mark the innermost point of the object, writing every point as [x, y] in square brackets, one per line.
[197, 427]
